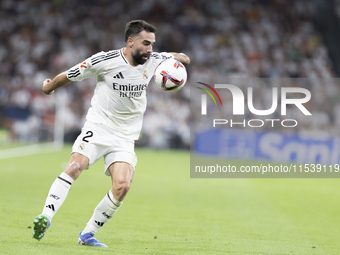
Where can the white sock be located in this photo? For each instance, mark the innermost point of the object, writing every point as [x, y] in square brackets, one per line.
[103, 212]
[57, 194]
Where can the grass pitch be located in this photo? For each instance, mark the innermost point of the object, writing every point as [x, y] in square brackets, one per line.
[166, 212]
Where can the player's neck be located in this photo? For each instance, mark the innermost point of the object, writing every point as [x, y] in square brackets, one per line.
[127, 55]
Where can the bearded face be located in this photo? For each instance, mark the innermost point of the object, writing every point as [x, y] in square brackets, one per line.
[141, 47]
[139, 58]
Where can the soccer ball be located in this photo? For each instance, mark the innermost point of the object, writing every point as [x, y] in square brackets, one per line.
[170, 75]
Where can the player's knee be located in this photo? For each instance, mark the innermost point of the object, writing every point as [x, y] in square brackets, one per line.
[123, 186]
[74, 169]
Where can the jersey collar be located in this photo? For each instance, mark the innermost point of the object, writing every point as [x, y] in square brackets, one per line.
[121, 53]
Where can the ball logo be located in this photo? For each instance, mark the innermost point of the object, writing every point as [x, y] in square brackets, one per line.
[145, 75]
[167, 77]
[178, 64]
[81, 146]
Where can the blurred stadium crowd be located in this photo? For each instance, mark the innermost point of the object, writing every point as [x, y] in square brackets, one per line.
[251, 38]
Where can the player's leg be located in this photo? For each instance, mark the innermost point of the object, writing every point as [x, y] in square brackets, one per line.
[58, 193]
[121, 175]
[62, 184]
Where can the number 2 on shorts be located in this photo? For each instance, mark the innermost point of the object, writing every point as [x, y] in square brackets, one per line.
[89, 134]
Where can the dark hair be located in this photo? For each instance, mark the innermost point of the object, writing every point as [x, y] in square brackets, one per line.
[134, 27]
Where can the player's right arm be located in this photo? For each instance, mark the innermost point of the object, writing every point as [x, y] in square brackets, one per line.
[90, 67]
[59, 81]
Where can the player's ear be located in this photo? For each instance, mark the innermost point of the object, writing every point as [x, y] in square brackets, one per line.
[130, 42]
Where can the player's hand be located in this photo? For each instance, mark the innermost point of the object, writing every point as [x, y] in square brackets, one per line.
[46, 87]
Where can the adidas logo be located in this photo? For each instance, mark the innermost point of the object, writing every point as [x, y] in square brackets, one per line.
[51, 206]
[119, 76]
[100, 224]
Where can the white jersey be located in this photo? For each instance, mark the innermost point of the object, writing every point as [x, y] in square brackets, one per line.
[119, 99]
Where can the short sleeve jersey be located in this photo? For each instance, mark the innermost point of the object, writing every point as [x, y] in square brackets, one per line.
[119, 99]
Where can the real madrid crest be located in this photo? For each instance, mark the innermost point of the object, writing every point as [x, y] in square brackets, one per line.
[81, 146]
[145, 75]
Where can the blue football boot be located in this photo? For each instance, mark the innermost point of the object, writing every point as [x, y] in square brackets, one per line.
[90, 240]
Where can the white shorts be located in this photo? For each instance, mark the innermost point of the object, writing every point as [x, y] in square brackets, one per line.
[96, 141]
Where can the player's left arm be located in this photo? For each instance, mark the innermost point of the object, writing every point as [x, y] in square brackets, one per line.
[181, 57]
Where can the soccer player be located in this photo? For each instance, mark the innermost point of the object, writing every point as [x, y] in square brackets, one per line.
[113, 123]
